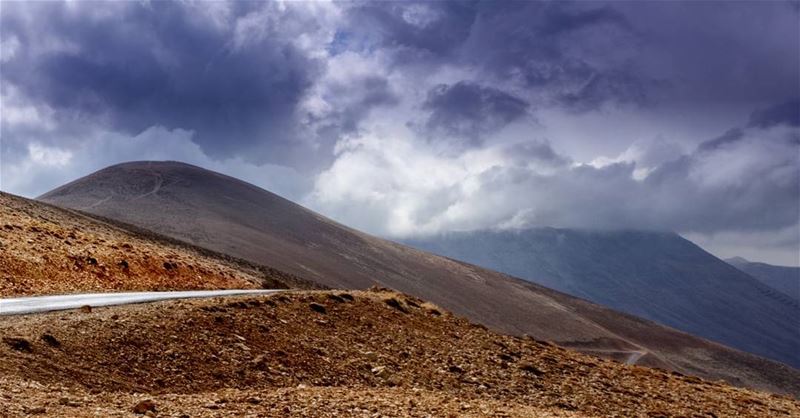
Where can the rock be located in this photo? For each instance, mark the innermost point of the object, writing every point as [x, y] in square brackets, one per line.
[335, 298]
[86, 309]
[19, 344]
[69, 402]
[144, 406]
[36, 410]
[371, 355]
[382, 372]
[394, 303]
[455, 369]
[530, 368]
[316, 307]
[50, 340]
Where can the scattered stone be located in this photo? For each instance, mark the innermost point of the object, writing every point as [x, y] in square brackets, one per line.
[394, 303]
[123, 264]
[19, 344]
[382, 372]
[144, 406]
[316, 307]
[335, 298]
[69, 402]
[50, 340]
[36, 410]
[530, 368]
[346, 296]
[455, 369]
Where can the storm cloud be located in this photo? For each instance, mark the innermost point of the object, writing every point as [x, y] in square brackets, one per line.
[406, 118]
[469, 111]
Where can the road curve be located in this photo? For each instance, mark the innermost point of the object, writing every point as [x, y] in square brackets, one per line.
[34, 304]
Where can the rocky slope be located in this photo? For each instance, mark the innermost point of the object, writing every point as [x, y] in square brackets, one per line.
[50, 250]
[654, 275]
[327, 353]
[237, 218]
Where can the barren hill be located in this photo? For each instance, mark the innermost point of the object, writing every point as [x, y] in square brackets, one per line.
[227, 215]
[327, 354]
[654, 275]
[51, 250]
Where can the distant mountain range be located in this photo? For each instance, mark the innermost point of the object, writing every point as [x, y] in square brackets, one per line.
[655, 275]
[783, 279]
[230, 216]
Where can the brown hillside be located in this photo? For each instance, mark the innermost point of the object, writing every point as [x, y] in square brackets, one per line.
[228, 215]
[322, 353]
[50, 250]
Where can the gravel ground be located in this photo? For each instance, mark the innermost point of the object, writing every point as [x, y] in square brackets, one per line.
[315, 353]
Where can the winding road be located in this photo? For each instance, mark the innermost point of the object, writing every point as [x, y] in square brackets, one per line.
[34, 304]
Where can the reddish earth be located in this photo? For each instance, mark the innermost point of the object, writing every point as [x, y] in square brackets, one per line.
[51, 250]
[326, 353]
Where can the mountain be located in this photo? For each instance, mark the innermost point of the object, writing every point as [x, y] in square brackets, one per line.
[46, 249]
[230, 216]
[654, 275]
[327, 354]
[781, 278]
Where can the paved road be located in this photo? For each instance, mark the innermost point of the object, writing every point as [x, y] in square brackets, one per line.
[26, 305]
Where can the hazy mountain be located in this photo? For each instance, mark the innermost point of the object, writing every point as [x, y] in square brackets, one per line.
[234, 217]
[782, 278]
[654, 275]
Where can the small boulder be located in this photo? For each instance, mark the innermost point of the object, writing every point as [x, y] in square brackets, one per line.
[38, 410]
[18, 344]
[144, 406]
[72, 403]
[50, 340]
[455, 369]
[394, 303]
[530, 368]
[316, 307]
[382, 372]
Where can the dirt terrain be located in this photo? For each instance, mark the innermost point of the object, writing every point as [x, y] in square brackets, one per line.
[323, 353]
[47, 250]
[228, 215]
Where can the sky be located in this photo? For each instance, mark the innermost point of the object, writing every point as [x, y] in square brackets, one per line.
[406, 119]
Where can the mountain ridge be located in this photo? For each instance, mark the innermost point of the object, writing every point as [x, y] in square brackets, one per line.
[655, 275]
[206, 209]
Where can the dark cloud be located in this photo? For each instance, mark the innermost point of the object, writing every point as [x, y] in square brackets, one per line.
[787, 113]
[432, 29]
[468, 111]
[781, 114]
[731, 136]
[146, 64]
[351, 101]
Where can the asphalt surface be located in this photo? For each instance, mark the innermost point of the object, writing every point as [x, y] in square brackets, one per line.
[34, 304]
